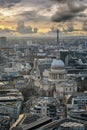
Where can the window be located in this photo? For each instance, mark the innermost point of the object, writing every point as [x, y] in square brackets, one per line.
[54, 76]
[70, 89]
[61, 76]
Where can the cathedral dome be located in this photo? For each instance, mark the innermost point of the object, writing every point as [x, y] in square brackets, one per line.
[56, 64]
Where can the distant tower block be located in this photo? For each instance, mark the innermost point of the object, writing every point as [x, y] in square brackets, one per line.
[3, 41]
[57, 36]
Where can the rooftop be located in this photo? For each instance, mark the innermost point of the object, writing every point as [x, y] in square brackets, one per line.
[66, 123]
[30, 122]
[72, 124]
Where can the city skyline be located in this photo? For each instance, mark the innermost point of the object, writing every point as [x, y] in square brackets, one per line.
[39, 17]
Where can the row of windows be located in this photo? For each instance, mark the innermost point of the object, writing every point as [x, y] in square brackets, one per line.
[68, 89]
[82, 102]
[56, 76]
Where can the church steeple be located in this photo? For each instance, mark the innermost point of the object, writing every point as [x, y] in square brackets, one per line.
[35, 63]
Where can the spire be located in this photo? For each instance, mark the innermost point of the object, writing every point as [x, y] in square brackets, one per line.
[58, 55]
[35, 63]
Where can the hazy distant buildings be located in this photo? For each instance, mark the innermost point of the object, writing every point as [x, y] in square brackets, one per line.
[3, 41]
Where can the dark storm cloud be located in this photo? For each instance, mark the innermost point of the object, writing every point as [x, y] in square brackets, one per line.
[40, 4]
[81, 17]
[68, 11]
[76, 6]
[63, 15]
[8, 3]
[32, 16]
[60, 1]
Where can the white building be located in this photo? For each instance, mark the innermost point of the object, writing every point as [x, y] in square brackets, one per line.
[57, 83]
[54, 81]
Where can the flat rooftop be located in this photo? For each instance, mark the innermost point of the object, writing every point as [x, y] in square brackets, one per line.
[72, 124]
[65, 123]
[10, 95]
[30, 122]
[6, 98]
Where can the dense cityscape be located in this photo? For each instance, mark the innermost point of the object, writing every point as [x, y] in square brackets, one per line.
[43, 64]
[43, 83]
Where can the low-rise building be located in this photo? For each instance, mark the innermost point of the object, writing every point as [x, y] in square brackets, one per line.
[11, 102]
[46, 106]
[77, 101]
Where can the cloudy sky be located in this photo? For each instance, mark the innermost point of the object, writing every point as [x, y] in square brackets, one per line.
[43, 16]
